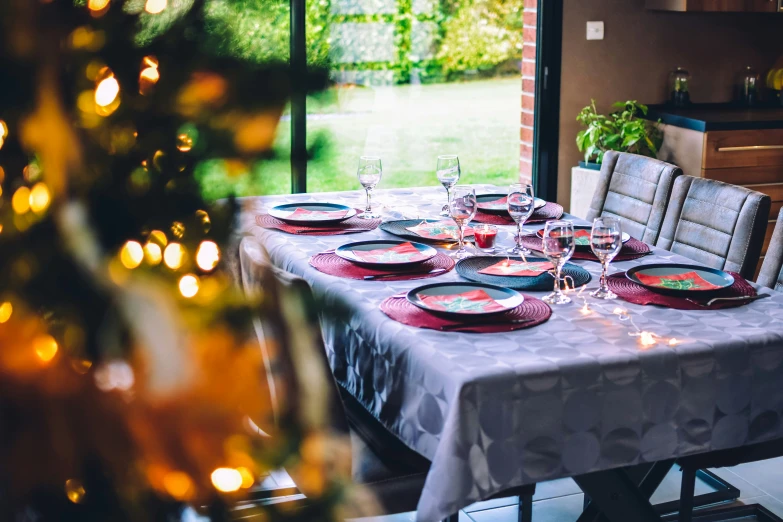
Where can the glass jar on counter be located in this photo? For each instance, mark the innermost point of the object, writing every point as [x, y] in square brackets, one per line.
[748, 86]
[679, 87]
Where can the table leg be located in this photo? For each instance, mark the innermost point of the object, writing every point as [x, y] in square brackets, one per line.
[617, 497]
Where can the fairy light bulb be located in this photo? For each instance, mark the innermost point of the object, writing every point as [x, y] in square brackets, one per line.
[39, 198]
[226, 480]
[174, 256]
[131, 254]
[155, 6]
[6, 310]
[585, 310]
[207, 256]
[188, 285]
[107, 91]
[153, 253]
[45, 347]
[647, 339]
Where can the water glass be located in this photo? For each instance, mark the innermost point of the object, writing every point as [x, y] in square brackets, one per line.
[369, 174]
[558, 248]
[606, 240]
[448, 172]
[521, 204]
[462, 208]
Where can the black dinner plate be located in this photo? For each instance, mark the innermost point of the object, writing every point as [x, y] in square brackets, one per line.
[347, 252]
[507, 298]
[400, 228]
[486, 198]
[626, 237]
[714, 276]
[282, 212]
[469, 269]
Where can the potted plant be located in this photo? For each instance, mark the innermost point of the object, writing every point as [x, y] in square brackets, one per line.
[623, 130]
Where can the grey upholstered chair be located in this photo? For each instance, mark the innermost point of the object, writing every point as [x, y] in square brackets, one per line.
[717, 224]
[771, 274]
[636, 190]
[381, 462]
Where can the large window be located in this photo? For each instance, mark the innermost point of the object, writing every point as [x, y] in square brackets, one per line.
[411, 79]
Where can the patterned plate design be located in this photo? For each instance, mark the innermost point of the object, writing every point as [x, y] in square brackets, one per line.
[312, 214]
[469, 268]
[541, 215]
[404, 312]
[333, 265]
[458, 300]
[633, 249]
[680, 279]
[385, 254]
[349, 226]
[486, 203]
[400, 228]
[637, 294]
[582, 237]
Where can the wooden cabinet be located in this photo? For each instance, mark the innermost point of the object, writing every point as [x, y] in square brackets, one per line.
[731, 6]
[750, 158]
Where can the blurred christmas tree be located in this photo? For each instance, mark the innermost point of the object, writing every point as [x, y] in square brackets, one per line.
[130, 381]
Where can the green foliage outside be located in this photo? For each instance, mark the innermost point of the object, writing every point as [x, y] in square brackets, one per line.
[623, 130]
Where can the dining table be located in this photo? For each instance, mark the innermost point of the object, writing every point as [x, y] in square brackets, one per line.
[581, 395]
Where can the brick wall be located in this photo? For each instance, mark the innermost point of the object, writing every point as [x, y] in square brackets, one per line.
[528, 92]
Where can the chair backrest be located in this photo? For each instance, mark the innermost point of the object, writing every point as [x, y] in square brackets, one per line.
[717, 224]
[771, 274]
[635, 189]
[299, 379]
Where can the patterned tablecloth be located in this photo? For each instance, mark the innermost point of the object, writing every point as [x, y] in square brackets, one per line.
[574, 395]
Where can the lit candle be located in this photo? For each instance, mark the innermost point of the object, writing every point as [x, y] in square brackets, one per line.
[485, 236]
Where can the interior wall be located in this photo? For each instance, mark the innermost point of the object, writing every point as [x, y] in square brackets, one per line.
[641, 47]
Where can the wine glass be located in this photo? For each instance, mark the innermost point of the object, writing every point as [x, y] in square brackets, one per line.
[521, 204]
[462, 208]
[558, 248]
[369, 174]
[606, 240]
[448, 174]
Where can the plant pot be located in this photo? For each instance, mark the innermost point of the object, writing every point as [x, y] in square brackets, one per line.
[589, 165]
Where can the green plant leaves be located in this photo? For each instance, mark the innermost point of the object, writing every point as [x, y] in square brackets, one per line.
[623, 130]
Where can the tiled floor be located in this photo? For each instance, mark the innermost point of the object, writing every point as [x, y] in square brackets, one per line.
[561, 500]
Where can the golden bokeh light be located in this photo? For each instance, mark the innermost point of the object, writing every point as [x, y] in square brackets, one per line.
[45, 347]
[178, 229]
[226, 480]
[97, 5]
[207, 255]
[107, 91]
[149, 75]
[153, 253]
[21, 200]
[131, 254]
[204, 217]
[74, 490]
[179, 485]
[188, 285]
[155, 6]
[159, 237]
[174, 256]
[674, 341]
[647, 339]
[247, 477]
[184, 143]
[6, 310]
[3, 133]
[39, 197]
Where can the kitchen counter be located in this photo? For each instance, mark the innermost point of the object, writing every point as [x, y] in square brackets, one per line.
[718, 117]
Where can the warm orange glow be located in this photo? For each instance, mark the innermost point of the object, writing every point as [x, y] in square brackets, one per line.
[6, 309]
[107, 91]
[188, 285]
[174, 256]
[179, 485]
[204, 219]
[74, 490]
[115, 375]
[158, 237]
[585, 310]
[674, 342]
[647, 339]
[178, 229]
[97, 5]
[155, 6]
[618, 311]
[207, 256]
[21, 200]
[247, 477]
[184, 143]
[3, 133]
[131, 254]
[226, 479]
[45, 347]
[153, 253]
[148, 77]
[39, 197]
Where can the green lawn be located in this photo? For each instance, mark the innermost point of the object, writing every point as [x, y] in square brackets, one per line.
[407, 126]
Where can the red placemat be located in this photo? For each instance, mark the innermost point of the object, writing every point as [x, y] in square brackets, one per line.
[335, 265]
[402, 311]
[637, 294]
[632, 249]
[349, 226]
[541, 215]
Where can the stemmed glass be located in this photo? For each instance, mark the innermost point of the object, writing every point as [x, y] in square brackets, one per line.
[521, 204]
[606, 240]
[448, 172]
[558, 248]
[369, 174]
[462, 208]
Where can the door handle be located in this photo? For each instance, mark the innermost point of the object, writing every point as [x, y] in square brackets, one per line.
[750, 147]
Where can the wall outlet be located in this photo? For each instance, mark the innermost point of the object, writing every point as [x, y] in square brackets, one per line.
[595, 30]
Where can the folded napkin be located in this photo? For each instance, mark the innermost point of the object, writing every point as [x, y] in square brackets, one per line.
[496, 204]
[443, 229]
[316, 215]
[686, 281]
[401, 253]
[473, 302]
[512, 267]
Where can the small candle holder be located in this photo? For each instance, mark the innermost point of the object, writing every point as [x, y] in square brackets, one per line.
[485, 236]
